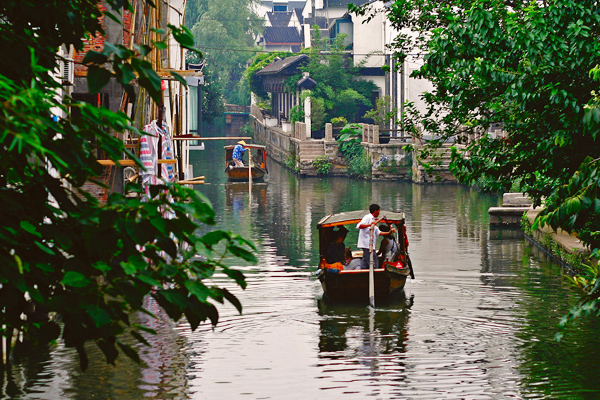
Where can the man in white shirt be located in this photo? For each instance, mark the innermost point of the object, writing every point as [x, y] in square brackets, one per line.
[364, 235]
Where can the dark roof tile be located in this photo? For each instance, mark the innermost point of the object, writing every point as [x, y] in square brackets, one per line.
[281, 35]
[278, 66]
[279, 19]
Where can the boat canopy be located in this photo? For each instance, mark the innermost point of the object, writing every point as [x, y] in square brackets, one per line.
[354, 217]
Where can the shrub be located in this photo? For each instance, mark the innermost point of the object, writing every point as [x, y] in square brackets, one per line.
[351, 148]
[323, 165]
[339, 121]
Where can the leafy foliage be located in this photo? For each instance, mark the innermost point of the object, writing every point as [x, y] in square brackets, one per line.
[337, 94]
[337, 89]
[225, 31]
[323, 165]
[383, 113]
[62, 252]
[260, 61]
[349, 144]
[525, 65]
[296, 113]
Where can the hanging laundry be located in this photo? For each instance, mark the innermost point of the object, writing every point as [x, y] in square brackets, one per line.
[149, 156]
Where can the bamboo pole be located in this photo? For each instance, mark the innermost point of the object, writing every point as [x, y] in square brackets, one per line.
[131, 162]
[195, 137]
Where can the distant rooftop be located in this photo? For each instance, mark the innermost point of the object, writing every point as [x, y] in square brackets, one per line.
[281, 35]
[278, 66]
[279, 19]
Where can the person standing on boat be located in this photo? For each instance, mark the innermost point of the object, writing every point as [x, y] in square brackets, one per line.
[238, 153]
[364, 235]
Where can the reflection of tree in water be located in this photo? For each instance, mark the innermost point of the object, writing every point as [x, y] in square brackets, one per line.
[164, 375]
[350, 330]
[28, 368]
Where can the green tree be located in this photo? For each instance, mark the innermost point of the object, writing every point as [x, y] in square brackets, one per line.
[61, 252]
[338, 93]
[524, 64]
[225, 30]
[336, 76]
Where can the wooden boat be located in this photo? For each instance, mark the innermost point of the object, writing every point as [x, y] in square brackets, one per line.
[258, 157]
[353, 285]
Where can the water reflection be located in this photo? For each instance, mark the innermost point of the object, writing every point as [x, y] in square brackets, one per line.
[340, 322]
[477, 323]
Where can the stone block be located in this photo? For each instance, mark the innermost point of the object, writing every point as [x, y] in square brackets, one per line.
[516, 200]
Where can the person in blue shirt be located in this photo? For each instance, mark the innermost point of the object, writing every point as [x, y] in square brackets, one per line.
[238, 153]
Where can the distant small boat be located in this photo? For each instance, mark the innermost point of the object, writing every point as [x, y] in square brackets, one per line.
[258, 157]
[353, 285]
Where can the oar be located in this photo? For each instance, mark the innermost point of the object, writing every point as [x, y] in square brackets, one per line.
[371, 270]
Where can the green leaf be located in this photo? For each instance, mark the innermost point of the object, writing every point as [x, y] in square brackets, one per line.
[159, 45]
[183, 36]
[179, 78]
[198, 289]
[129, 351]
[99, 315]
[94, 57]
[28, 227]
[45, 248]
[97, 78]
[232, 299]
[212, 238]
[139, 338]
[113, 17]
[242, 253]
[75, 279]
[236, 275]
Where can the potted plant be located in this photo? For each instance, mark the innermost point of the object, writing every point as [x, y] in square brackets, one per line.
[338, 123]
[382, 115]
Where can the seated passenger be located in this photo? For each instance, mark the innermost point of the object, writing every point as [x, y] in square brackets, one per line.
[389, 246]
[336, 251]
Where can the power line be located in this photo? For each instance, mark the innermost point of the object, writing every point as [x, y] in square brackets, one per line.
[230, 19]
[199, 46]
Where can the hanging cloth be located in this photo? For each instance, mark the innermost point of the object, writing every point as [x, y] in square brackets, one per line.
[149, 155]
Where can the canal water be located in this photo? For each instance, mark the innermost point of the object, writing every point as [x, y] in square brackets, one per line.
[478, 322]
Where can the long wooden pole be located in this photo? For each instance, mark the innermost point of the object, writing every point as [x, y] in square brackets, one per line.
[249, 179]
[372, 255]
[371, 269]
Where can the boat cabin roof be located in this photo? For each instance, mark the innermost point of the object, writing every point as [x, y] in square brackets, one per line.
[354, 217]
[250, 146]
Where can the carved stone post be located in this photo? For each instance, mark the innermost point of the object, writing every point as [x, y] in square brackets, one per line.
[302, 131]
[328, 132]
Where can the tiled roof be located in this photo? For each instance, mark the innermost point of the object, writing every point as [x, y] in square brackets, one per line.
[279, 19]
[298, 12]
[281, 35]
[278, 66]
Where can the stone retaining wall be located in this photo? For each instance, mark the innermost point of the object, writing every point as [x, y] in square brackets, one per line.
[293, 149]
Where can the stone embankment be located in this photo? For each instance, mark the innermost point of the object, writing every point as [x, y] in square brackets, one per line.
[560, 245]
[511, 211]
[293, 147]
